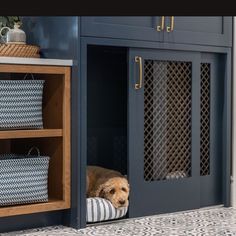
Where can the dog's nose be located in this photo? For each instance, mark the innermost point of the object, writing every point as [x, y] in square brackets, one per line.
[122, 202]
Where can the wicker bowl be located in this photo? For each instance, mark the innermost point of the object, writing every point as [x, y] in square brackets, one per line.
[19, 50]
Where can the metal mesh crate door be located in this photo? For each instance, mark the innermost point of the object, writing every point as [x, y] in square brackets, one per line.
[205, 120]
[167, 119]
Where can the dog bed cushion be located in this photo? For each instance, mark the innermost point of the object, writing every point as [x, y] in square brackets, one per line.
[100, 209]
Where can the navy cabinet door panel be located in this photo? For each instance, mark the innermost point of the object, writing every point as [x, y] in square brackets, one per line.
[164, 124]
[215, 31]
[175, 131]
[130, 27]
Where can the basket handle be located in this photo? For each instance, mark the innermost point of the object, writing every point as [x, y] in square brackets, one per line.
[33, 148]
[27, 74]
[4, 36]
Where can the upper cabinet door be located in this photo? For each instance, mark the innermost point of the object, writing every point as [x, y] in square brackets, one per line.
[215, 31]
[129, 27]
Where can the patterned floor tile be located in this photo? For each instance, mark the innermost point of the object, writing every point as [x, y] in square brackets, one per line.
[218, 221]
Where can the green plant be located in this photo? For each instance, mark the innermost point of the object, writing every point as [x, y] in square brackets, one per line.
[9, 21]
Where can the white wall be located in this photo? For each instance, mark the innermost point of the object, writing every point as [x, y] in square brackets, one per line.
[233, 186]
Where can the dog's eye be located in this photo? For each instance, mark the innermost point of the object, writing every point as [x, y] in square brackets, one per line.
[112, 191]
[124, 189]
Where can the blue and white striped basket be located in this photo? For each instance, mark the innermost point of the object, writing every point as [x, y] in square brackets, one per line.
[23, 178]
[21, 104]
[100, 209]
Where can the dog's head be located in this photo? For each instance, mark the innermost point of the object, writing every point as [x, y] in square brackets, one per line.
[116, 190]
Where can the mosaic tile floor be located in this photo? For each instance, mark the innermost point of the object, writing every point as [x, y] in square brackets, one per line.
[215, 222]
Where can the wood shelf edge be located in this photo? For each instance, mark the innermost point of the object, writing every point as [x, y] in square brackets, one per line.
[51, 205]
[13, 134]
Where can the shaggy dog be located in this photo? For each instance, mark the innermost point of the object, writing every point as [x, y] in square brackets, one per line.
[108, 184]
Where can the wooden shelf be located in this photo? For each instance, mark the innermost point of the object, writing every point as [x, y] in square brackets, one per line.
[10, 134]
[51, 205]
[53, 141]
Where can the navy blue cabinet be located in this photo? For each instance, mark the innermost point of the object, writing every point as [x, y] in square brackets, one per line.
[181, 71]
[208, 30]
[129, 27]
[215, 31]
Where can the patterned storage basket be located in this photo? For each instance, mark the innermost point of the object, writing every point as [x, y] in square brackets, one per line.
[21, 104]
[23, 178]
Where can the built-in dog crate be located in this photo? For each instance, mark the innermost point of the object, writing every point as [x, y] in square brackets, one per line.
[158, 116]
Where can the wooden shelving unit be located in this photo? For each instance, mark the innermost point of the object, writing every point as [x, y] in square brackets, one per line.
[53, 140]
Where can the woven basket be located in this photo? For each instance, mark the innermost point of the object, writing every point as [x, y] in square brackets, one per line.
[23, 178]
[19, 50]
[21, 104]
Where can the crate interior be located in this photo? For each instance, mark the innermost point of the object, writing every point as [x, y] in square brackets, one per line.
[107, 107]
[51, 147]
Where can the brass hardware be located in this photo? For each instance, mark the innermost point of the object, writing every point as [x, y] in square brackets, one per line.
[161, 27]
[171, 27]
[139, 60]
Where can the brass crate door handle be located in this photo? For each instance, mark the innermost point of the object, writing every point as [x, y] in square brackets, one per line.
[162, 25]
[139, 60]
[171, 27]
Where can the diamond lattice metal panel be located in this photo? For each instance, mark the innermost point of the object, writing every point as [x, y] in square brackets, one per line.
[205, 120]
[167, 119]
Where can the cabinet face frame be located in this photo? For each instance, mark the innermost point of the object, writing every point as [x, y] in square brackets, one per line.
[62, 134]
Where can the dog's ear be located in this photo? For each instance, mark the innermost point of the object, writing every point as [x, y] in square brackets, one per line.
[101, 193]
[125, 177]
[127, 183]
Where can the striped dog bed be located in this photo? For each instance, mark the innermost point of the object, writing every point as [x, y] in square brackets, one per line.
[100, 209]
